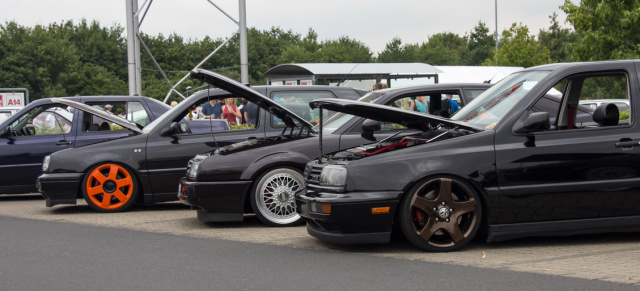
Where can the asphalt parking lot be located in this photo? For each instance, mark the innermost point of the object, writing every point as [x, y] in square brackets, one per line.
[606, 257]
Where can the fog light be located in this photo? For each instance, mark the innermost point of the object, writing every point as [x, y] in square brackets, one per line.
[377, 210]
[317, 207]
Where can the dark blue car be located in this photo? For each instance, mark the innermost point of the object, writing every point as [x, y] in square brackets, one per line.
[43, 127]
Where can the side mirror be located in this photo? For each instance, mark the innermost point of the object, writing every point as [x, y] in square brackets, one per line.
[369, 126]
[172, 130]
[8, 134]
[535, 122]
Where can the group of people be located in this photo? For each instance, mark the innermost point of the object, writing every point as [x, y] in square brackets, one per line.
[246, 113]
[420, 104]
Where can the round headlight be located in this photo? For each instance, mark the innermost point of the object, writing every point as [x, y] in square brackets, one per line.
[333, 175]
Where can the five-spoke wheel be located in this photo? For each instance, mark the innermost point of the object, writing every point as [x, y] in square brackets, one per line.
[441, 214]
[109, 188]
[273, 197]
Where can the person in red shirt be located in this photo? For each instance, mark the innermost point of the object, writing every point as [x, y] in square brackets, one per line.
[230, 111]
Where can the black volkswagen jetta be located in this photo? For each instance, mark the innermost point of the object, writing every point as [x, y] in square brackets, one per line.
[261, 175]
[146, 166]
[503, 160]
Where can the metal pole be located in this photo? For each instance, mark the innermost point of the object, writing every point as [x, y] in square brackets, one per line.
[131, 40]
[496, 33]
[137, 52]
[244, 61]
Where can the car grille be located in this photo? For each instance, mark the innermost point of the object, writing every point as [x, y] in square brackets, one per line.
[312, 177]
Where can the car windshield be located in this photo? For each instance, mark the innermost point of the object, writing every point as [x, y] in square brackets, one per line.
[339, 119]
[490, 107]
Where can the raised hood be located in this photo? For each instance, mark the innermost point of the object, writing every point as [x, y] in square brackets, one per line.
[410, 119]
[102, 114]
[251, 95]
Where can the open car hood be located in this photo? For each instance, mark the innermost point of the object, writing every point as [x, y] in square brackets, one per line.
[410, 119]
[102, 114]
[251, 95]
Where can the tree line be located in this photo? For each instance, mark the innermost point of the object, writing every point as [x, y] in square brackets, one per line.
[85, 58]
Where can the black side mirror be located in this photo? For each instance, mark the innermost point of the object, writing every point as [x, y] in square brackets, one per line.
[8, 134]
[369, 126]
[537, 121]
[172, 130]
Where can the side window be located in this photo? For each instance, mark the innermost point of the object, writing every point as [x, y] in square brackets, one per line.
[587, 101]
[95, 123]
[44, 120]
[472, 93]
[298, 103]
[134, 112]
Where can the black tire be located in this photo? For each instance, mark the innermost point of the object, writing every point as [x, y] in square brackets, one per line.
[440, 214]
[110, 188]
[273, 197]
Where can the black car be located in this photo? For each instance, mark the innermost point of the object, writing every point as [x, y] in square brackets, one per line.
[501, 162]
[147, 166]
[261, 175]
[44, 126]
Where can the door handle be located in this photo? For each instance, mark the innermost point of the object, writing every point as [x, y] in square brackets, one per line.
[63, 142]
[627, 144]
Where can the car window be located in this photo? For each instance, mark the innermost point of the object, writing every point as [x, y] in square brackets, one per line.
[135, 113]
[472, 93]
[43, 120]
[298, 103]
[207, 115]
[94, 123]
[570, 109]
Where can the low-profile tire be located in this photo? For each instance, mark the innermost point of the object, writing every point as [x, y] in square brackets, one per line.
[273, 197]
[110, 188]
[440, 214]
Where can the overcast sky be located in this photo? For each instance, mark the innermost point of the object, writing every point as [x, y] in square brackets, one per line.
[372, 22]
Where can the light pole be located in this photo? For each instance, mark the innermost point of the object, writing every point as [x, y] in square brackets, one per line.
[496, 32]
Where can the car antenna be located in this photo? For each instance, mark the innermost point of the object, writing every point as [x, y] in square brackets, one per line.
[489, 81]
[211, 121]
[347, 74]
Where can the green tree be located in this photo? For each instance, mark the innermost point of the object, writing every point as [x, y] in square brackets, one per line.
[609, 29]
[395, 52]
[558, 40]
[518, 48]
[481, 46]
[443, 49]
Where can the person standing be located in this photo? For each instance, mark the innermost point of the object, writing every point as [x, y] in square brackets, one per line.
[212, 110]
[230, 112]
[251, 113]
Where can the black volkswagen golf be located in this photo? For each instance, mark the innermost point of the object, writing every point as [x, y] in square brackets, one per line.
[503, 161]
[145, 166]
[261, 175]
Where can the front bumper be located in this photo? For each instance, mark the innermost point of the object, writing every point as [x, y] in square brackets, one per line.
[59, 188]
[351, 220]
[215, 201]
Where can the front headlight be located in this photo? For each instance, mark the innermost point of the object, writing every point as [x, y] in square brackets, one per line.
[192, 172]
[45, 163]
[192, 167]
[334, 176]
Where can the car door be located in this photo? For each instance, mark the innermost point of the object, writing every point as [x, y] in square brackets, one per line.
[574, 170]
[35, 134]
[167, 155]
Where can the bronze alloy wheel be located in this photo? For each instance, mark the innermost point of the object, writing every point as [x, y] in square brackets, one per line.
[109, 188]
[441, 214]
[273, 197]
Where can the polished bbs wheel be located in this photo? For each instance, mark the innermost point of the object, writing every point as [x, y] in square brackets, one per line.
[441, 214]
[109, 188]
[273, 197]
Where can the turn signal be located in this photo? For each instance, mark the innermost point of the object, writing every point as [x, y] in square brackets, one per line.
[377, 210]
[326, 208]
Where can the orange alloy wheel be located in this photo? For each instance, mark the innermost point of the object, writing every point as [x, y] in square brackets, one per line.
[109, 187]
